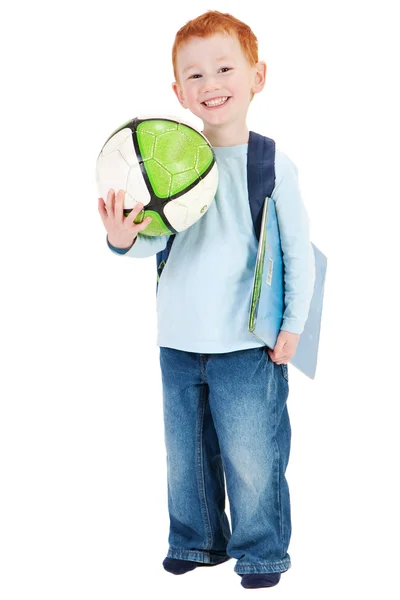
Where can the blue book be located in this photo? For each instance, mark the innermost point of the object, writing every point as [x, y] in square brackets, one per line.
[267, 305]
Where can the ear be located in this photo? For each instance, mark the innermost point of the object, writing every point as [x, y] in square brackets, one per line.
[178, 93]
[259, 77]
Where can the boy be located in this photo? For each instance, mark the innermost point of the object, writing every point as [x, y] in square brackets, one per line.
[224, 392]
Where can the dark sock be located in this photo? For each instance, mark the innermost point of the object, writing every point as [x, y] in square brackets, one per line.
[257, 580]
[178, 567]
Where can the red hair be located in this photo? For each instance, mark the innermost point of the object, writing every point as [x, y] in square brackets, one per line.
[212, 22]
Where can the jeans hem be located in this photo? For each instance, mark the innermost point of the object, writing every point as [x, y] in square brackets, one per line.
[196, 556]
[245, 568]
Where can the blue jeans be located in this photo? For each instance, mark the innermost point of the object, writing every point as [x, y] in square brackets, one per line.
[226, 414]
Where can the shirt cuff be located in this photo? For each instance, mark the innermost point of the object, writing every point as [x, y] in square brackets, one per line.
[292, 325]
[118, 250]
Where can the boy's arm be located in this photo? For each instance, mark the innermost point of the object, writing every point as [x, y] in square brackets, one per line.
[298, 254]
[143, 246]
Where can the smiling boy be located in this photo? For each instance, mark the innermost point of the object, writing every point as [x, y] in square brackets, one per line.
[214, 69]
[224, 392]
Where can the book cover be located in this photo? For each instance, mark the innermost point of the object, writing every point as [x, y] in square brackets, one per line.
[267, 303]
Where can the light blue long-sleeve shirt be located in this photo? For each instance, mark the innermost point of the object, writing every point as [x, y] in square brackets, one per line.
[204, 292]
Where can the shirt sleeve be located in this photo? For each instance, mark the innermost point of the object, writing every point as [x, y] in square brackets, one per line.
[298, 254]
[144, 246]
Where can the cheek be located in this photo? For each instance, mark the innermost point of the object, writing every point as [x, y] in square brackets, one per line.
[241, 91]
[191, 96]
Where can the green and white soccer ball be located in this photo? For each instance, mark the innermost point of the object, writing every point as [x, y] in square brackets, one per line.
[164, 163]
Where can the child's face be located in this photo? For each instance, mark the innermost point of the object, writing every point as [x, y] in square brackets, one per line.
[204, 75]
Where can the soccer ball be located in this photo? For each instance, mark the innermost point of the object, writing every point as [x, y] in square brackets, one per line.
[164, 163]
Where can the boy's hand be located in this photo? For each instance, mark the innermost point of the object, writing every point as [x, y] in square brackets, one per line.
[122, 231]
[285, 347]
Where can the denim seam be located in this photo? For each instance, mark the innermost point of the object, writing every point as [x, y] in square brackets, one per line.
[254, 565]
[244, 568]
[278, 487]
[202, 370]
[200, 474]
[196, 555]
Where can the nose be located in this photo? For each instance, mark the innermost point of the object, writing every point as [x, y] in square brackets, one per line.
[210, 85]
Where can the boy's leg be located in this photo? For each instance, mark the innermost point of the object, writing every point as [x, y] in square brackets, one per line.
[199, 527]
[247, 394]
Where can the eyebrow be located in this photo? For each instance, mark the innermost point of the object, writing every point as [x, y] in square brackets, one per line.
[218, 59]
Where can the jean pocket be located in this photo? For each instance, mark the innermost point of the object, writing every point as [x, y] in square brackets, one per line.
[285, 371]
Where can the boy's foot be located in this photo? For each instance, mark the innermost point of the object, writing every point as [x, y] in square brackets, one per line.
[258, 580]
[178, 567]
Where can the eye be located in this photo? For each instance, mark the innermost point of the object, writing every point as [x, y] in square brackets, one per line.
[198, 75]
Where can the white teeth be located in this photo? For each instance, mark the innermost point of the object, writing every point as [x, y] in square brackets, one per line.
[216, 102]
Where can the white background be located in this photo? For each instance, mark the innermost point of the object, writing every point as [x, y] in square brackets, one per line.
[83, 504]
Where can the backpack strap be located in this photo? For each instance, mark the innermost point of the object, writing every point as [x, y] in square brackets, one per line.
[162, 258]
[260, 175]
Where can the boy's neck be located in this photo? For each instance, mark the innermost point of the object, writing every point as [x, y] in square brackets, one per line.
[228, 136]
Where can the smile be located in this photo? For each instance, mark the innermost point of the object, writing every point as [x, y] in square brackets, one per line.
[217, 103]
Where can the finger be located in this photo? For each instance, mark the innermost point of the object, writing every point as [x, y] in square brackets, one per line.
[145, 223]
[109, 203]
[110, 195]
[282, 361]
[134, 213]
[102, 210]
[276, 357]
[119, 206]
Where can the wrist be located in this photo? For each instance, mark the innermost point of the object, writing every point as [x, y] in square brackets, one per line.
[123, 245]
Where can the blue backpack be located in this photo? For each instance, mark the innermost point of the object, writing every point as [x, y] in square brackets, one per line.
[260, 182]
